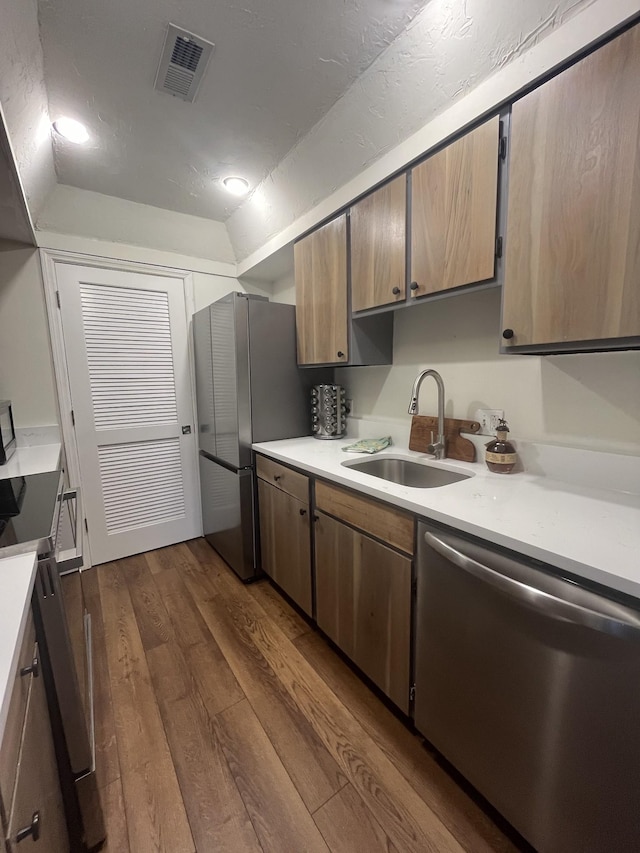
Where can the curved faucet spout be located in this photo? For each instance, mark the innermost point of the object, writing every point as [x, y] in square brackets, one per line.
[438, 448]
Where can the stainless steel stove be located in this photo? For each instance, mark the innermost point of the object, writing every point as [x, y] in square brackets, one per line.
[30, 513]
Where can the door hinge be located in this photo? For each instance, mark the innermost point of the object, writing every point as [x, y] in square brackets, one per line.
[499, 247]
[73, 418]
[412, 693]
[58, 297]
[503, 148]
[86, 525]
[414, 586]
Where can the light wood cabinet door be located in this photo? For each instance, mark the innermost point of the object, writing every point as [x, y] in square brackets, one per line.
[454, 197]
[37, 790]
[378, 247]
[363, 603]
[573, 229]
[285, 542]
[320, 264]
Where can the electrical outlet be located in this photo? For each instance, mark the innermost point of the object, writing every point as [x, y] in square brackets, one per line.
[488, 420]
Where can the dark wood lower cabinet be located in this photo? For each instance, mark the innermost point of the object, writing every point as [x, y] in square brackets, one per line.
[363, 603]
[285, 542]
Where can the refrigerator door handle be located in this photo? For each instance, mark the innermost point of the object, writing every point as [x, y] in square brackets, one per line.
[621, 623]
[224, 464]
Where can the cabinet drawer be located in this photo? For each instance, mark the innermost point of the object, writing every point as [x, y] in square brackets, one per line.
[37, 789]
[294, 484]
[384, 522]
[10, 747]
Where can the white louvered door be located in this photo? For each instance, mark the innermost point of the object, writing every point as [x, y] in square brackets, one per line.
[127, 354]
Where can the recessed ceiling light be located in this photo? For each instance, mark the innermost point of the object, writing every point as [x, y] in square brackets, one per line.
[237, 186]
[71, 129]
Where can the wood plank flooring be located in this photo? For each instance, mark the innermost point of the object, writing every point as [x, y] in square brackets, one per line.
[224, 722]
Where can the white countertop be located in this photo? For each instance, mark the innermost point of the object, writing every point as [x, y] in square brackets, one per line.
[31, 460]
[17, 575]
[591, 532]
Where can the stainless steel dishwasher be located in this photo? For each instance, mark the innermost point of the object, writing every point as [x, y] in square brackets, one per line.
[529, 684]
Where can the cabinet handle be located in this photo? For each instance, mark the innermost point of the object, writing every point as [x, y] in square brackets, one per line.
[340, 354]
[33, 668]
[33, 830]
[277, 477]
[396, 291]
[303, 512]
[414, 285]
[507, 334]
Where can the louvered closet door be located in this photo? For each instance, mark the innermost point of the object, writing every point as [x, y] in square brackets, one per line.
[127, 356]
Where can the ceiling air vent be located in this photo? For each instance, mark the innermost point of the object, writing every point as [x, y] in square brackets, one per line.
[184, 60]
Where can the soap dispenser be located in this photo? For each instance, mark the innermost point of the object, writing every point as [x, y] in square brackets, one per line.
[500, 454]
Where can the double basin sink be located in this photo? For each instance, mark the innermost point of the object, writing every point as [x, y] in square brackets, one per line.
[406, 472]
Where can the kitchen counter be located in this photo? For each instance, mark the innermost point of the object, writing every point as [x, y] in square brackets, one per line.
[593, 533]
[32, 460]
[17, 576]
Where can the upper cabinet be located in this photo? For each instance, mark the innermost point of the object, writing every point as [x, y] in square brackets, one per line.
[454, 195]
[573, 229]
[320, 261]
[327, 334]
[15, 224]
[378, 247]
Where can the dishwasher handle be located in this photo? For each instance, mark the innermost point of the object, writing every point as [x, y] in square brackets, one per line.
[622, 622]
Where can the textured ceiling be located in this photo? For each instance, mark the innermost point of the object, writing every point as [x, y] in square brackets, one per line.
[278, 67]
[449, 48]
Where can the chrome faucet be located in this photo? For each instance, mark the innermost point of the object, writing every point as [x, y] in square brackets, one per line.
[438, 449]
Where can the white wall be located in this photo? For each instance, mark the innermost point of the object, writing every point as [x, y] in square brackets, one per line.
[284, 289]
[86, 214]
[589, 400]
[26, 371]
[208, 288]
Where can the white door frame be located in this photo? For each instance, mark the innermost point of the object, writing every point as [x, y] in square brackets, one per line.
[48, 259]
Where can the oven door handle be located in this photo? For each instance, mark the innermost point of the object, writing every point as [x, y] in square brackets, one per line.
[72, 559]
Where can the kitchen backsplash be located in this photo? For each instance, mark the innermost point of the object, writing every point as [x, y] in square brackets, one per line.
[578, 467]
[589, 400]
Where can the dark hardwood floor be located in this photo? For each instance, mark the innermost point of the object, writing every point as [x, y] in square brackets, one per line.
[224, 722]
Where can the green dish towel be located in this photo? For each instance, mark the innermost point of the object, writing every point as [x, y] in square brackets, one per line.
[368, 445]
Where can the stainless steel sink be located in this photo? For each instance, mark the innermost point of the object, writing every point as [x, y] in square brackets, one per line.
[407, 473]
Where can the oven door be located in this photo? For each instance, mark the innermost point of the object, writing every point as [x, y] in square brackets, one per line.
[58, 608]
[64, 623]
[67, 632]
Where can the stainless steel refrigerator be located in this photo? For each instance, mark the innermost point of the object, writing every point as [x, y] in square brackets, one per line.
[249, 388]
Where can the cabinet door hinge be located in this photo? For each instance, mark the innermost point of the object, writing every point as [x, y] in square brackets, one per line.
[499, 247]
[414, 585]
[58, 298]
[412, 693]
[73, 418]
[503, 148]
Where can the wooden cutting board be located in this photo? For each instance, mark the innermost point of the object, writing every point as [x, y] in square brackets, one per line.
[457, 447]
